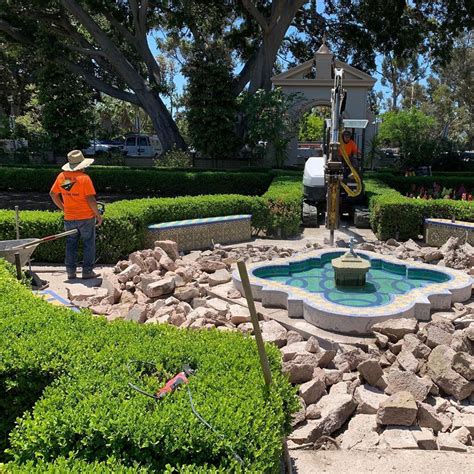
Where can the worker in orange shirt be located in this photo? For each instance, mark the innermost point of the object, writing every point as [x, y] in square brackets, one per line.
[350, 147]
[74, 193]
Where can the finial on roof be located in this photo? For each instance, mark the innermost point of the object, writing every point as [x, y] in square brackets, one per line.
[323, 49]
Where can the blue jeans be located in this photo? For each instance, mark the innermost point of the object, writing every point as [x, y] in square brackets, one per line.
[86, 228]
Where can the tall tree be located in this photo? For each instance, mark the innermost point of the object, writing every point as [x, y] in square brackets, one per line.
[104, 42]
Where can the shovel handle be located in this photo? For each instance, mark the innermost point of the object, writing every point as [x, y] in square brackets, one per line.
[49, 238]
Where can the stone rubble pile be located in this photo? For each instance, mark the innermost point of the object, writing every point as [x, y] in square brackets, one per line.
[452, 254]
[160, 286]
[412, 389]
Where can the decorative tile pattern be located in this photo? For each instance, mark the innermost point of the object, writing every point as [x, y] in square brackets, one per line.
[194, 234]
[331, 316]
[438, 231]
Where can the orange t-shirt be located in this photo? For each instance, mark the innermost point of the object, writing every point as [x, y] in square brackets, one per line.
[74, 186]
[350, 147]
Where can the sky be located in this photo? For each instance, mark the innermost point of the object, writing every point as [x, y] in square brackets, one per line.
[180, 80]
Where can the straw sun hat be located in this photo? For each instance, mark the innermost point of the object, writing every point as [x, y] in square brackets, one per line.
[76, 161]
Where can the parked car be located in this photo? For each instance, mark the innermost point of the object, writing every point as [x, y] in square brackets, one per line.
[143, 146]
[100, 147]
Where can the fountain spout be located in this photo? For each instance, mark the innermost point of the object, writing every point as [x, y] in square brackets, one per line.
[350, 269]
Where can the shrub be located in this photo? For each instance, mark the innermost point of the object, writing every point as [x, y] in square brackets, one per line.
[125, 222]
[393, 215]
[152, 182]
[74, 367]
[174, 158]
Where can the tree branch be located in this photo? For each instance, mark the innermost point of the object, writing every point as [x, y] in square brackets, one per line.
[244, 76]
[256, 14]
[14, 33]
[98, 84]
[116, 58]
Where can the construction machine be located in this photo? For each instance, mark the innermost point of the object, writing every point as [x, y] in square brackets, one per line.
[332, 183]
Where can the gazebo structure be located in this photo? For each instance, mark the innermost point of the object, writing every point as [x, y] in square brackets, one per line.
[313, 80]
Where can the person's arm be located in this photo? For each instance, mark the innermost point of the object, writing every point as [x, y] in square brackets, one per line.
[93, 205]
[56, 198]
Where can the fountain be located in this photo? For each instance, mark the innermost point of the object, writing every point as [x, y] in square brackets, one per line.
[311, 286]
[350, 269]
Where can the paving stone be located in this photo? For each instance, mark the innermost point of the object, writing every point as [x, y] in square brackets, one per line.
[463, 435]
[313, 390]
[170, 247]
[407, 361]
[313, 412]
[137, 314]
[239, 314]
[219, 277]
[369, 399]
[412, 344]
[399, 438]
[463, 364]
[398, 409]
[448, 442]
[312, 345]
[429, 418]
[464, 419]
[395, 329]
[290, 351]
[371, 371]
[274, 332]
[398, 381]
[442, 374]
[335, 410]
[425, 439]
[361, 433]
[435, 336]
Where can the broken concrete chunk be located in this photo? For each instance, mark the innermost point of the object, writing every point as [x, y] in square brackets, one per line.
[129, 273]
[361, 433]
[313, 390]
[312, 345]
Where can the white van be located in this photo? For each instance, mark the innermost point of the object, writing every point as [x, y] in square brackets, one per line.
[143, 146]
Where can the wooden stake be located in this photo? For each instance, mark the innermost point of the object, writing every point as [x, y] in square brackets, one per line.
[244, 277]
[19, 275]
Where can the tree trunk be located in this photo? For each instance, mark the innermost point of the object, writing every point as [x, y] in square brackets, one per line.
[166, 128]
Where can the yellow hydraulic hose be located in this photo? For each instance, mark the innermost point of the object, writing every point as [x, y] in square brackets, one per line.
[353, 171]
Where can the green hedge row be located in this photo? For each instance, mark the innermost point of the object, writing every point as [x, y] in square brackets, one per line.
[151, 182]
[394, 215]
[123, 231]
[64, 394]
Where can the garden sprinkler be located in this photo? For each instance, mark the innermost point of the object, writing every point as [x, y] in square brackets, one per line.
[173, 384]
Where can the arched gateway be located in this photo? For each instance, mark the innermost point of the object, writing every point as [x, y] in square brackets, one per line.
[313, 80]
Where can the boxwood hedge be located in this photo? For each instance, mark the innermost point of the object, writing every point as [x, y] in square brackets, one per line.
[146, 182]
[125, 221]
[394, 215]
[65, 402]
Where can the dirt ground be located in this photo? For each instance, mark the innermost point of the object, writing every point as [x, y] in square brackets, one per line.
[404, 461]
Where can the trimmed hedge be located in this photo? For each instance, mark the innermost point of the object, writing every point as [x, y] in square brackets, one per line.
[395, 216]
[65, 376]
[125, 222]
[152, 182]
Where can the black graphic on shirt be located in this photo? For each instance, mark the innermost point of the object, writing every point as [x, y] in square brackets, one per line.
[68, 184]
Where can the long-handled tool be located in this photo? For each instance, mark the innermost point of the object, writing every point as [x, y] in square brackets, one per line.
[173, 384]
